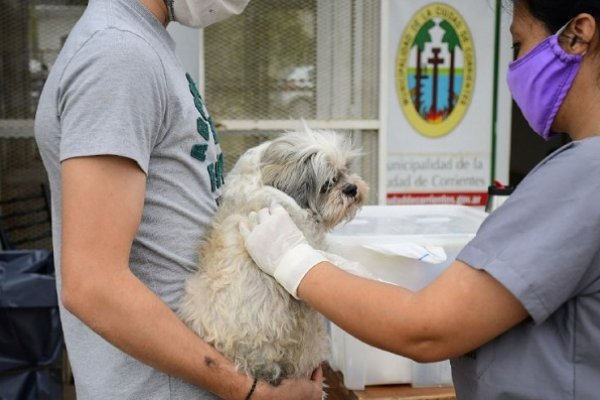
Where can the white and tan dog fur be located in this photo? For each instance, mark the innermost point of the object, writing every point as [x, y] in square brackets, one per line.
[230, 302]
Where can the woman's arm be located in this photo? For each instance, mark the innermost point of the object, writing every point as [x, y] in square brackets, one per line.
[461, 310]
[103, 198]
[458, 312]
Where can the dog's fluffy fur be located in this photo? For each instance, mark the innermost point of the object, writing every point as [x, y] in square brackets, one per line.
[230, 302]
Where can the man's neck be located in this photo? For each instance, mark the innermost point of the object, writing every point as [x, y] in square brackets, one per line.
[158, 8]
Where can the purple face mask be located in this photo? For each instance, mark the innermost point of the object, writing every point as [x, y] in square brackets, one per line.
[540, 80]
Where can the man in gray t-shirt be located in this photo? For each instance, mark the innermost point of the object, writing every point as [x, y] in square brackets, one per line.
[135, 171]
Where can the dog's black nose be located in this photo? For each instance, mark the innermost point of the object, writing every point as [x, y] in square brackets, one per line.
[350, 190]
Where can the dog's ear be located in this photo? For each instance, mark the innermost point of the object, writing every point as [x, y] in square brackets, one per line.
[293, 174]
[305, 189]
[304, 195]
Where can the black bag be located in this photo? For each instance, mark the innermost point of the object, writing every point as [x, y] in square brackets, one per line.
[30, 332]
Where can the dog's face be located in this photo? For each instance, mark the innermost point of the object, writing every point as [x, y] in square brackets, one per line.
[313, 167]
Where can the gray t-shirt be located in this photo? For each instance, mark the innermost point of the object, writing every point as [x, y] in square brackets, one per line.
[543, 244]
[118, 88]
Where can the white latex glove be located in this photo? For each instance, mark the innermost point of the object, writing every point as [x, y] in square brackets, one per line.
[278, 247]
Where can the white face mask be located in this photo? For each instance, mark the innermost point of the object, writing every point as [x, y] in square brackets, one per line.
[202, 13]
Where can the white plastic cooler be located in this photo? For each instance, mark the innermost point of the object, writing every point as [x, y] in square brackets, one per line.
[409, 246]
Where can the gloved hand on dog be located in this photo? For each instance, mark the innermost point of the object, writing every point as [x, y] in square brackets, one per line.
[278, 247]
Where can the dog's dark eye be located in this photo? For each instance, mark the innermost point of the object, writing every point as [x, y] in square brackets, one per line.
[329, 184]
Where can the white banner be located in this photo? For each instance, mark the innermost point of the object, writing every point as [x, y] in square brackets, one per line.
[439, 95]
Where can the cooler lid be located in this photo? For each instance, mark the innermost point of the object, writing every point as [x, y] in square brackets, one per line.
[412, 221]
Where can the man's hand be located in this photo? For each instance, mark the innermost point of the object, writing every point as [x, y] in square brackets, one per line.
[293, 389]
[279, 247]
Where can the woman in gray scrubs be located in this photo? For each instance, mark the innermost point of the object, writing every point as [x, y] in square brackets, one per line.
[518, 312]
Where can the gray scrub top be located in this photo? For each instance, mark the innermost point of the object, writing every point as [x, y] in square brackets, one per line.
[543, 245]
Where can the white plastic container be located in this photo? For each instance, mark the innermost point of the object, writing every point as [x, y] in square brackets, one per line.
[417, 232]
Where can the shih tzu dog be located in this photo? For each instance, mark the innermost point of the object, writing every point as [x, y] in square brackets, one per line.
[230, 302]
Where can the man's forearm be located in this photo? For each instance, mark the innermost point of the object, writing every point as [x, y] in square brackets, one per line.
[131, 317]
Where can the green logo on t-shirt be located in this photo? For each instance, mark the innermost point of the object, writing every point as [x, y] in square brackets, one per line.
[206, 129]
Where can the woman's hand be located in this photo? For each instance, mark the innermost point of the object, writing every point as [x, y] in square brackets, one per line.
[278, 247]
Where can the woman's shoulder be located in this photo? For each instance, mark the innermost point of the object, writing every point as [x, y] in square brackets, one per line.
[579, 156]
[573, 156]
[589, 146]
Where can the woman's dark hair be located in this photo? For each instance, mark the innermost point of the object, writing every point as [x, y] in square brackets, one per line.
[555, 13]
